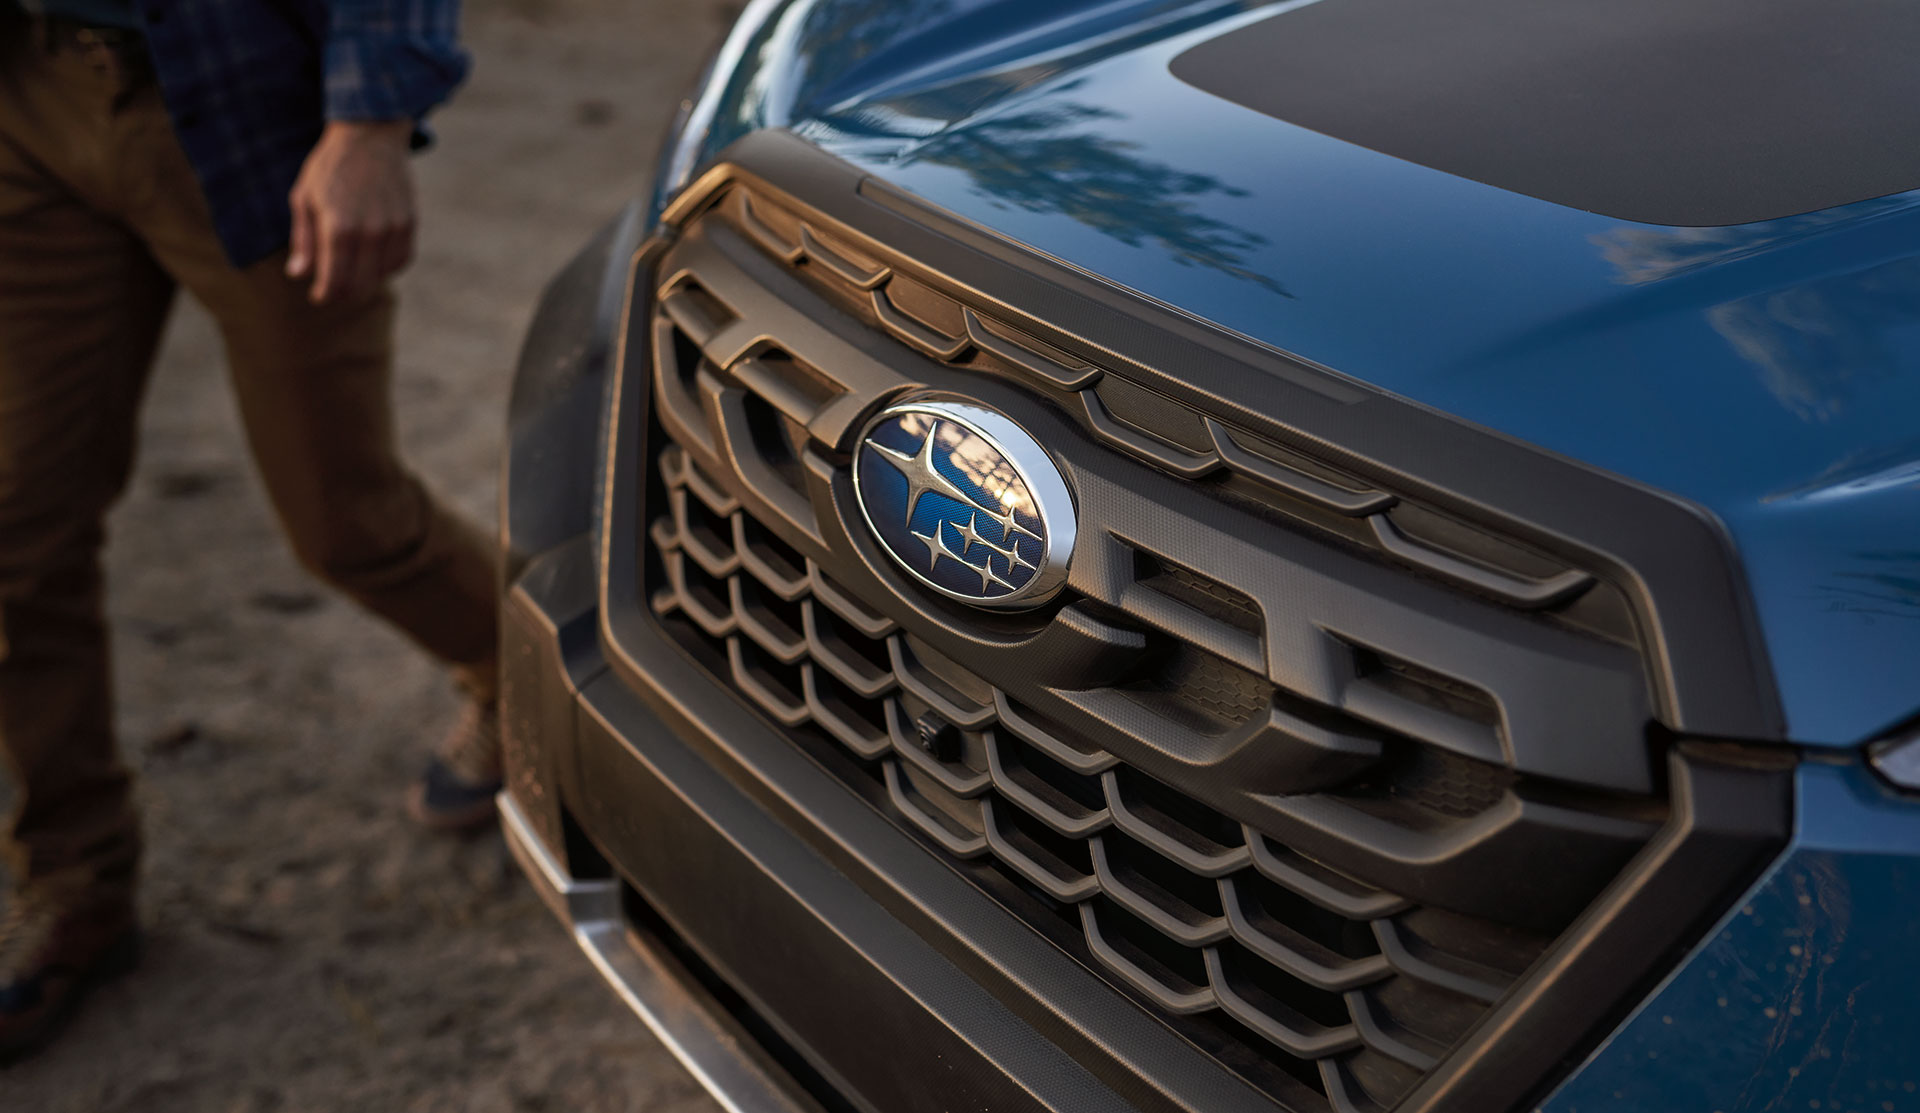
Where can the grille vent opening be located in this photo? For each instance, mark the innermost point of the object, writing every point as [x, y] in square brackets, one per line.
[1208, 596]
[1428, 705]
[1020, 338]
[1436, 781]
[773, 554]
[686, 359]
[777, 439]
[696, 310]
[789, 385]
[1278, 912]
[1425, 686]
[848, 263]
[1084, 752]
[1169, 969]
[1273, 994]
[1197, 690]
[1058, 788]
[1274, 452]
[1177, 815]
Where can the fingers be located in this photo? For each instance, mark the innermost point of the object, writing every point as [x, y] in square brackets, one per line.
[300, 250]
[354, 261]
[353, 215]
[332, 261]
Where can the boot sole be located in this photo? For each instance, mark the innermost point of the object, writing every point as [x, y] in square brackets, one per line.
[479, 816]
[118, 960]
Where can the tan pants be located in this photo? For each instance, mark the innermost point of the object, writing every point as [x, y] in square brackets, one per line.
[100, 219]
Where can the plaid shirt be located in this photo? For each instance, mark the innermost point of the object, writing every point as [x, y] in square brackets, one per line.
[250, 83]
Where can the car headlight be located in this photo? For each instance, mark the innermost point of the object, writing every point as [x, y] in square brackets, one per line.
[1897, 758]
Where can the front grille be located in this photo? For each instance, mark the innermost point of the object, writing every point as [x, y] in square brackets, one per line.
[1201, 915]
[1309, 768]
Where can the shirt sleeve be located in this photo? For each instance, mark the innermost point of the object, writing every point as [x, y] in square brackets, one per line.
[392, 59]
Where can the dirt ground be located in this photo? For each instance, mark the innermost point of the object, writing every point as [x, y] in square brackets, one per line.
[307, 950]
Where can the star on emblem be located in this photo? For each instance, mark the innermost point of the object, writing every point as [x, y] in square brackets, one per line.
[1011, 553]
[1008, 525]
[920, 469]
[920, 473]
[936, 544]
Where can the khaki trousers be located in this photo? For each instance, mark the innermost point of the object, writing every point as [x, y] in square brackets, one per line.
[100, 220]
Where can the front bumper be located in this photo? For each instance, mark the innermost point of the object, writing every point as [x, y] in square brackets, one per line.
[1802, 993]
[759, 904]
[643, 972]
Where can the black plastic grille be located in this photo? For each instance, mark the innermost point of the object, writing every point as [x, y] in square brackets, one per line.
[1196, 912]
[1332, 886]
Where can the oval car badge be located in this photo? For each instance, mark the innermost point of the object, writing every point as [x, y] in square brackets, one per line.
[966, 501]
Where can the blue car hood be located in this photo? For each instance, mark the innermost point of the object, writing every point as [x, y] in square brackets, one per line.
[1768, 372]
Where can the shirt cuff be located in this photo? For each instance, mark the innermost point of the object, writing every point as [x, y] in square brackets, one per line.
[394, 77]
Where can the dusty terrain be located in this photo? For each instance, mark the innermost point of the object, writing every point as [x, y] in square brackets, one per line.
[309, 951]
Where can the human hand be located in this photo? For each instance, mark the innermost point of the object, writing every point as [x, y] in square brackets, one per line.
[353, 215]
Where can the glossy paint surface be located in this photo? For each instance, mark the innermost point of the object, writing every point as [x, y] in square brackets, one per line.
[1807, 997]
[1768, 372]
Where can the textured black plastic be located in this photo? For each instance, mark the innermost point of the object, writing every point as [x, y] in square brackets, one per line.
[549, 649]
[1669, 559]
[655, 805]
[770, 916]
[1192, 906]
[1157, 648]
[558, 404]
[556, 422]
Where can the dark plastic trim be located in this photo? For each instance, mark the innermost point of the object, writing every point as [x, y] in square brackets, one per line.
[1731, 812]
[1734, 812]
[556, 409]
[1672, 558]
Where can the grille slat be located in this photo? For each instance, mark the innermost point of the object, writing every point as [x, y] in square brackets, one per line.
[958, 841]
[1192, 852]
[1295, 953]
[848, 666]
[1060, 881]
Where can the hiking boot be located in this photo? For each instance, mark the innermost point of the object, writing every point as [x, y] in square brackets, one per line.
[455, 793]
[51, 957]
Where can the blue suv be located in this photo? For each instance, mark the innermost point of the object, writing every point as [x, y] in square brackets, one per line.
[1339, 555]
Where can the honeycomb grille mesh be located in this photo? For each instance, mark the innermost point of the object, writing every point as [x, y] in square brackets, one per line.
[1267, 954]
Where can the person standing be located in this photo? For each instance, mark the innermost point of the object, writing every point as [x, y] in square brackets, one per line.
[253, 153]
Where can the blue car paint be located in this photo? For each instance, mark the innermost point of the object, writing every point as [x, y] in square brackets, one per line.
[1768, 372]
[1805, 997]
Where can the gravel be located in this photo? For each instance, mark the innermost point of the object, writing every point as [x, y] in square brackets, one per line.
[307, 950]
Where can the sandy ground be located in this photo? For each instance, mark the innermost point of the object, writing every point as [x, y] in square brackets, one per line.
[309, 951]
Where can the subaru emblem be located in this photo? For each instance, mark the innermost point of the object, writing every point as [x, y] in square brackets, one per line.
[966, 501]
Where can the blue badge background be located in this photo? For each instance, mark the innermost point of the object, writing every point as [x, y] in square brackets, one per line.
[884, 491]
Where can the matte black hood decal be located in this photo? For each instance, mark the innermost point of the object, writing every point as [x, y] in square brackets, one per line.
[1706, 112]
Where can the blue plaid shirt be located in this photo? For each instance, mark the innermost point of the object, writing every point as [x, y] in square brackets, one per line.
[250, 83]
